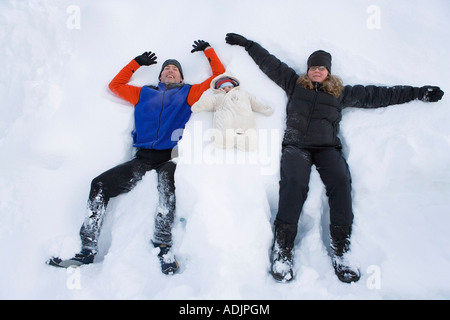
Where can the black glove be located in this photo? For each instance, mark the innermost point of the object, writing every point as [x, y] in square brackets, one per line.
[199, 45]
[146, 59]
[430, 94]
[236, 39]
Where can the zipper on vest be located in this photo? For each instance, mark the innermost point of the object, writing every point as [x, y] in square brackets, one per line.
[159, 118]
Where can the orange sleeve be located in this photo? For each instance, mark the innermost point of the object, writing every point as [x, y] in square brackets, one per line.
[217, 69]
[119, 85]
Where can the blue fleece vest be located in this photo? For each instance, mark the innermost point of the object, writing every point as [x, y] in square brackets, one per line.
[160, 116]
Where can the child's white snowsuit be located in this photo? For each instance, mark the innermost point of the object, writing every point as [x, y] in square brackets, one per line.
[234, 123]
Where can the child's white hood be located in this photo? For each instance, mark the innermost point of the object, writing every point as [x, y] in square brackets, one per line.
[223, 75]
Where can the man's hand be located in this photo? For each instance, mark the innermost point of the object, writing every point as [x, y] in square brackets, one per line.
[200, 45]
[146, 59]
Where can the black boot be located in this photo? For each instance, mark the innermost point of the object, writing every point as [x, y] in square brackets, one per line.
[282, 252]
[84, 257]
[169, 264]
[340, 245]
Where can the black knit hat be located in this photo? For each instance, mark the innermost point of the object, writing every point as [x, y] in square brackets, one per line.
[320, 58]
[175, 63]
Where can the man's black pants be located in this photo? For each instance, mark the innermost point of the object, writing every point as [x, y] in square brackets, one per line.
[123, 178]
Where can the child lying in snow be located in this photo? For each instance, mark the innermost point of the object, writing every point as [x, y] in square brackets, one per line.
[233, 124]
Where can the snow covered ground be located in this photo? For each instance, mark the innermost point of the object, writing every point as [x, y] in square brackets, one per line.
[60, 127]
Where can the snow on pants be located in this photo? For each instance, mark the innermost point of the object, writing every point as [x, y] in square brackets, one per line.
[123, 178]
[295, 170]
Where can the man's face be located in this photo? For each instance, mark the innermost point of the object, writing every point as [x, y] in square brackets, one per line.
[170, 74]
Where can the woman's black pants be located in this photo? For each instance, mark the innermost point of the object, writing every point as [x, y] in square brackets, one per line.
[295, 170]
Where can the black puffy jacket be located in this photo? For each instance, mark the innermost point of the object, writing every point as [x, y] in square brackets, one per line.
[313, 116]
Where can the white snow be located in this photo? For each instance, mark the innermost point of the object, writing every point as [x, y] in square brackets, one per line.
[60, 127]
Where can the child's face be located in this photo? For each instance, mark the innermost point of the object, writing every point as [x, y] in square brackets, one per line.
[227, 88]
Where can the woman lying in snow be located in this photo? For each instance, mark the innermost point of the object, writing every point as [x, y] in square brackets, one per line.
[313, 114]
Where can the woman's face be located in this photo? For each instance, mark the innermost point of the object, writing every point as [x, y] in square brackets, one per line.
[317, 73]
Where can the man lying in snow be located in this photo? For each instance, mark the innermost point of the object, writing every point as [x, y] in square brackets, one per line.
[158, 112]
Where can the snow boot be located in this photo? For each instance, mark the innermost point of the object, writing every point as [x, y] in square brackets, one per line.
[169, 264]
[282, 252]
[340, 245]
[84, 257]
